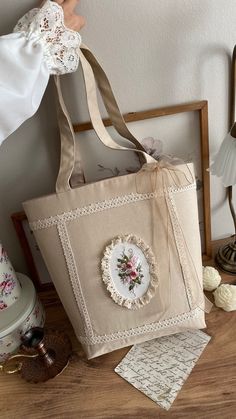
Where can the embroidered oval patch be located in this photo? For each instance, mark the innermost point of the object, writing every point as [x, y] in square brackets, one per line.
[129, 271]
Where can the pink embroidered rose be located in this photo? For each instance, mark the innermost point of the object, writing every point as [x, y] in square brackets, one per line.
[129, 265]
[133, 274]
[129, 269]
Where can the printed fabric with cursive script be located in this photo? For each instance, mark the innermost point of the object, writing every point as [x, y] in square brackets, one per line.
[160, 367]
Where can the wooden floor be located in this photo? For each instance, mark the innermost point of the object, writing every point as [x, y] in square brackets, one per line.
[90, 389]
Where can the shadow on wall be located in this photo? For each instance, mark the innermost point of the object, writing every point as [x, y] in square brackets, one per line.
[176, 55]
[29, 161]
[12, 11]
[146, 48]
[215, 62]
[210, 57]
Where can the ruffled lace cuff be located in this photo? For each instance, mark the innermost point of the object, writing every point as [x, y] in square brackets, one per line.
[60, 44]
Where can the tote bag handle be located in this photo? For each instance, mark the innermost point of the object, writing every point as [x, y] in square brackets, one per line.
[109, 99]
[66, 128]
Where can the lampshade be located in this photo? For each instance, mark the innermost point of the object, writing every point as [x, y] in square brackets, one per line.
[224, 164]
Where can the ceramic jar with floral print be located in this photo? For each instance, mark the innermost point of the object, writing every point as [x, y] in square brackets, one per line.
[27, 312]
[10, 287]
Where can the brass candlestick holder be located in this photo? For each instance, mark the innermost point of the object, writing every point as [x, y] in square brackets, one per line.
[45, 354]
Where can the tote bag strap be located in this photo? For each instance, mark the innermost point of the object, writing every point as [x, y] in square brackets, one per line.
[67, 134]
[109, 99]
[95, 114]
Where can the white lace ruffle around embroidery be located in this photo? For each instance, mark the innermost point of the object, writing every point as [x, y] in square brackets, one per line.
[110, 282]
[60, 44]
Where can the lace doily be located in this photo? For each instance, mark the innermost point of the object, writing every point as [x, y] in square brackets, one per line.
[60, 44]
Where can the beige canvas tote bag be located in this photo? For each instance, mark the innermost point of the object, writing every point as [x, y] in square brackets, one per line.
[124, 253]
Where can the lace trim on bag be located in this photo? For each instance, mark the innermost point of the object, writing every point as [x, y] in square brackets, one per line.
[74, 277]
[60, 220]
[99, 206]
[180, 245]
[141, 330]
[60, 44]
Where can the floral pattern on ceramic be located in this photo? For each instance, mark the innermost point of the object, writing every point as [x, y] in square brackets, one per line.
[129, 271]
[10, 344]
[3, 305]
[10, 287]
[3, 255]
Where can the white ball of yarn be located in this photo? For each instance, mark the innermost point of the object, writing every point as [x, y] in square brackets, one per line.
[225, 297]
[211, 278]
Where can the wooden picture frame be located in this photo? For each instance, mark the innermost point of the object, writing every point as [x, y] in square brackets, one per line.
[201, 107]
[21, 223]
[34, 261]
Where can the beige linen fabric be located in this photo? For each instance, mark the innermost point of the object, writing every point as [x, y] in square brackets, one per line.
[74, 226]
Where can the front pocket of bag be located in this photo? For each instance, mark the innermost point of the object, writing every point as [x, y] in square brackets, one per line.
[89, 237]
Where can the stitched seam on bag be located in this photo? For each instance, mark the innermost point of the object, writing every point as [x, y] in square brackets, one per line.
[101, 206]
[149, 328]
[74, 278]
[180, 246]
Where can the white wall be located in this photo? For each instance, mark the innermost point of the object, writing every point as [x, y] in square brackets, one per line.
[156, 53]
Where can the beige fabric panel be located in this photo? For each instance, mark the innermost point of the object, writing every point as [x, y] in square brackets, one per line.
[101, 229]
[100, 349]
[90, 234]
[49, 205]
[51, 250]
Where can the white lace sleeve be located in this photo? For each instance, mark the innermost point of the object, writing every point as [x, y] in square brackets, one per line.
[60, 44]
[40, 45]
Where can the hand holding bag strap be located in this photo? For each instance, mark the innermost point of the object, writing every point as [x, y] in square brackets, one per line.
[109, 98]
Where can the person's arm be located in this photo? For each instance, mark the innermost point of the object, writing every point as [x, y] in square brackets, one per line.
[45, 41]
